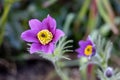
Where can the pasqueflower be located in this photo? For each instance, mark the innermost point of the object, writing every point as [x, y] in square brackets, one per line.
[42, 34]
[86, 49]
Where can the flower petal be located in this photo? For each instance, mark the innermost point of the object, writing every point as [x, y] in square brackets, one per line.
[80, 55]
[93, 51]
[88, 42]
[35, 24]
[80, 52]
[81, 42]
[29, 36]
[35, 47]
[58, 34]
[49, 23]
[48, 49]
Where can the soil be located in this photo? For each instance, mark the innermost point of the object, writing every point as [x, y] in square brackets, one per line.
[26, 70]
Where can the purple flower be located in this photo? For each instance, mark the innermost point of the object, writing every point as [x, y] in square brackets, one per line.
[87, 48]
[43, 35]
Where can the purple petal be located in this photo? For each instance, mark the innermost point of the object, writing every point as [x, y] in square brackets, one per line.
[80, 55]
[88, 42]
[35, 47]
[80, 52]
[81, 42]
[58, 34]
[29, 36]
[49, 23]
[48, 49]
[35, 24]
[93, 51]
[89, 38]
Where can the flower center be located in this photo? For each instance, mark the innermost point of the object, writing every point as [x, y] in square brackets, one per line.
[88, 50]
[44, 36]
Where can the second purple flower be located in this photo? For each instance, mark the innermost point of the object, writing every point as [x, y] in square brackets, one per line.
[43, 35]
[87, 48]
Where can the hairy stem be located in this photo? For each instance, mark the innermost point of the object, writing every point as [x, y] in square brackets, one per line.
[61, 74]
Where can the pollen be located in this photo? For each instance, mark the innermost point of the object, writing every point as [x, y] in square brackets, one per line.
[88, 50]
[44, 36]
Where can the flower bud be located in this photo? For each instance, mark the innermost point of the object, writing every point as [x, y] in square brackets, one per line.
[109, 72]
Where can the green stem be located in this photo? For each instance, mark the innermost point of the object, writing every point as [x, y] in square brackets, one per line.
[82, 13]
[102, 11]
[4, 19]
[70, 63]
[62, 75]
[80, 16]
[105, 15]
[83, 73]
[83, 10]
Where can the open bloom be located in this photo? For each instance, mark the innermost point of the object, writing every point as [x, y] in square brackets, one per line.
[87, 48]
[43, 35]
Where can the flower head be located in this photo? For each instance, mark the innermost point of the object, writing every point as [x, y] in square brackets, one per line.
[43, 35]
[87, 48]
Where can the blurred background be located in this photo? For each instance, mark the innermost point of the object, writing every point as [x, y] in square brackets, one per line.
[78, 18]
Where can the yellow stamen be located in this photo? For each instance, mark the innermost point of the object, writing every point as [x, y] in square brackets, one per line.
[44, 36]
[88, 50]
